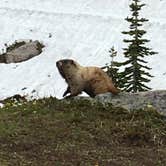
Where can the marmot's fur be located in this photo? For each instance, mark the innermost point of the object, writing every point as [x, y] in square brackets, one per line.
[91, 80]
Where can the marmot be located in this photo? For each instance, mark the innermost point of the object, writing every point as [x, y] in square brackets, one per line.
[92, 80]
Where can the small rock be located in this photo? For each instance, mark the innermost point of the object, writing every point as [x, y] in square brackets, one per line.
[22, 51]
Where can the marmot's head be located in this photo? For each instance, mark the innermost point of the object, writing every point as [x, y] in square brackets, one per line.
[65, 66]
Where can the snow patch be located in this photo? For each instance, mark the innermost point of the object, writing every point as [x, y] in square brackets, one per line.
[82, 30]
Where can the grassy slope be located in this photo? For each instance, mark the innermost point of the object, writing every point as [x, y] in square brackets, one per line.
[49, 132]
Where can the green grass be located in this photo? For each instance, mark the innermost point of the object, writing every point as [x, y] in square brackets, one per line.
[50, 132]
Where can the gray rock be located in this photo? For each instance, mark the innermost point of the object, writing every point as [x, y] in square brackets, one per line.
[141, 100]
[23, 53]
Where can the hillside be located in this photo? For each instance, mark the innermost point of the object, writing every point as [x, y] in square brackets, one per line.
[50, 132]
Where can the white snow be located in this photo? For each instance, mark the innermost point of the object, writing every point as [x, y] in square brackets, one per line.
[1, 105]
[81, 29]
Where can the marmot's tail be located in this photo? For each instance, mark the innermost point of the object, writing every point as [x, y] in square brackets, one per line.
[114, 90]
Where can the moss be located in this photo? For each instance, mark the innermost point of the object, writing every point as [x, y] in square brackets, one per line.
[15, 45]
[40, 46]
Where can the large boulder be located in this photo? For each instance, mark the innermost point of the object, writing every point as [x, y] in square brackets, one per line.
[22, 52]
[132, 101]
[141, 100]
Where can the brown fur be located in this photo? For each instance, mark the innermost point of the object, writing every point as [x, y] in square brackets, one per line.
[91, 80]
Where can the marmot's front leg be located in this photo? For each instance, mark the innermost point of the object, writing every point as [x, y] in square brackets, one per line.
[67, 91]
[74, 92]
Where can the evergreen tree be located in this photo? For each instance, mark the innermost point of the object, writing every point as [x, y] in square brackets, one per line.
[136, 72]
[112, 69]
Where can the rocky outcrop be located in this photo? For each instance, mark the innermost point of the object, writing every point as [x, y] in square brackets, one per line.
[132, 101]
[141, 100]
[22, 53]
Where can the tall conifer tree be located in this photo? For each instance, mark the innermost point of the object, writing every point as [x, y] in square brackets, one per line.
[136, 72]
